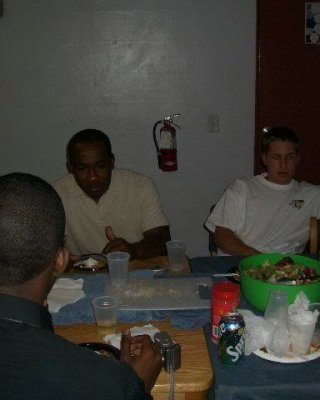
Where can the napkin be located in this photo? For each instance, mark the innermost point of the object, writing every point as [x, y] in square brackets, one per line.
[136, 330]
[65, 291]
[300, 305]
[299, 313]
[258, 331]
[302, 324]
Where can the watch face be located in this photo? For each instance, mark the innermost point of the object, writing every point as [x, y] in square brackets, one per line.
[103, 349]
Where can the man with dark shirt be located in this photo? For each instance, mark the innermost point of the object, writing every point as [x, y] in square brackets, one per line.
[35, 363]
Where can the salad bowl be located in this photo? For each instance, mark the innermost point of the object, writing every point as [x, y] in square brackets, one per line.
[256, 290]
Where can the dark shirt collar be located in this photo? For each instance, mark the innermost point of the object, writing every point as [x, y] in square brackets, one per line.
[25, 312]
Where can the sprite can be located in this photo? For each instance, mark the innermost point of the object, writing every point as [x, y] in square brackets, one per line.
[231, 339]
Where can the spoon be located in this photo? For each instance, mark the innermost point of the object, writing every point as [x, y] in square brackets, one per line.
[225, 274]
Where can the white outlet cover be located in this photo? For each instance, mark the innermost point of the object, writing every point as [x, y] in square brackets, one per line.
[213, 123]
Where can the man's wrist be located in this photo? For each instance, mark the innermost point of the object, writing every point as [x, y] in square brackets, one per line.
[134, 251]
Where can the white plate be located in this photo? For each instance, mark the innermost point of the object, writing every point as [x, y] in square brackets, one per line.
[288, 359]
[101, 263]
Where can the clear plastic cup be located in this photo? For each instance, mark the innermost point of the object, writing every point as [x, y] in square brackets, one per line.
[105, 312]
[301, 334]
[316, 336]
[118, 264]
[176, 255]
[277, 307]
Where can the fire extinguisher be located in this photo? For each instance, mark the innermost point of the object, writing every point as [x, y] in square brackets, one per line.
[167, 146]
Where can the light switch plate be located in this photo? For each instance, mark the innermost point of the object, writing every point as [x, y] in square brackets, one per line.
[213, 123]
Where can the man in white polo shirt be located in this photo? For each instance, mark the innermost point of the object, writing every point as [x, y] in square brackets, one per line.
[109, 209]
[268, 212]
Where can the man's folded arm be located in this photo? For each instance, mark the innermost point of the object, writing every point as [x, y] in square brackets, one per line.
[153, 243]
[228, 242]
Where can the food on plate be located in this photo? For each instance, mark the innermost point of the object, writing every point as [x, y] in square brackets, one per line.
[91, 262]
[285, 271]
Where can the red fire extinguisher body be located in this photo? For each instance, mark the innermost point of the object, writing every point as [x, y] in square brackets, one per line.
[167, 145]
[168, 148]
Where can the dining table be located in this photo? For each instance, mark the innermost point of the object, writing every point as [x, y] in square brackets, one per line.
[255, 378]
[195, 378]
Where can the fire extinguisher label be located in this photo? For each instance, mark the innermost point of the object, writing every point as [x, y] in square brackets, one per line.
[165, 140]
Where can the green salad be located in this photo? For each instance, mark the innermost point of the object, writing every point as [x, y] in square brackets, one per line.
[285, 271]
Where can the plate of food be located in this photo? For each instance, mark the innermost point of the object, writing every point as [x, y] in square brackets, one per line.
[103, 349]
[91, 263]
[290, 358]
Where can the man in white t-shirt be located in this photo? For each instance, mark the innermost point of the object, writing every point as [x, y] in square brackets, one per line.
[109, 209]
[268, 212]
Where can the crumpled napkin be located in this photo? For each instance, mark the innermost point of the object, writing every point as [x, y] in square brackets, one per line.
[65, 291]
[299, 315]
[300, 304]
[136, 330]
[258, 331]
[302, 324]
[299, 311]
[263, 333]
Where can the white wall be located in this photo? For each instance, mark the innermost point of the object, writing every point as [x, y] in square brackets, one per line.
[119, 66]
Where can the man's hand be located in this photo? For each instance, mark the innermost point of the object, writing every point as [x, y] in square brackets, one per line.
[117, 244]
[153, 243]
[72, 259]
[142, 355]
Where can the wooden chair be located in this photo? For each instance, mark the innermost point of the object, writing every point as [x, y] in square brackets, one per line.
[314, 236]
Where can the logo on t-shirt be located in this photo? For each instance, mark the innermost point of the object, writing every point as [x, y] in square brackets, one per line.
[296, 204]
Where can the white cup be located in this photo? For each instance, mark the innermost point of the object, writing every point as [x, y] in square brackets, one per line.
[176, 255]
[276, 312]
[105, 312]
[277, 307]
[301, 333]
[316, 335]
[118, 262]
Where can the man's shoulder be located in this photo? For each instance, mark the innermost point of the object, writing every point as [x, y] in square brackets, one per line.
[241, 183]
[307, 187]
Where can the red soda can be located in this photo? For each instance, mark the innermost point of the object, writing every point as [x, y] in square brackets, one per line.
[225, 297]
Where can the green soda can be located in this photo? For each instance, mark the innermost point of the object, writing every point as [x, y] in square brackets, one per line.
[231, 339]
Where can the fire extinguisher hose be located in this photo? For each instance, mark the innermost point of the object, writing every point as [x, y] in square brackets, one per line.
[155, 135]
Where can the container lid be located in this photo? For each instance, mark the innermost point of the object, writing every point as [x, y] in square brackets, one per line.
[225, 291]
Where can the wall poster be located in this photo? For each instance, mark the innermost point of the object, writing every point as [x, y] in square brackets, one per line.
[312, 23]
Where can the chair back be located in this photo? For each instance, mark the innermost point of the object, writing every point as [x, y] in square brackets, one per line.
[314, 236]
